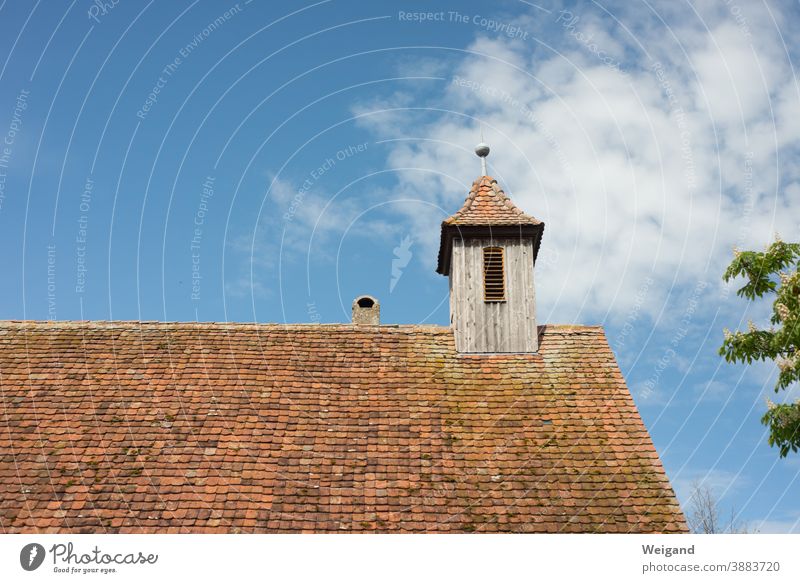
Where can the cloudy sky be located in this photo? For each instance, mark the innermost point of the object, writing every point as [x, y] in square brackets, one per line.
[260, 161]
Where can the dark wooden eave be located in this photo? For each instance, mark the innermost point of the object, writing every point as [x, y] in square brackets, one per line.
[451, 232]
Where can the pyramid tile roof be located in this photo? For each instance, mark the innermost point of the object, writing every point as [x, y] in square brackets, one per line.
[488, 205]
[186, 427]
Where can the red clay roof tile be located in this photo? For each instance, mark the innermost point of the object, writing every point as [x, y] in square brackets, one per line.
[488, 205]
[154, 427]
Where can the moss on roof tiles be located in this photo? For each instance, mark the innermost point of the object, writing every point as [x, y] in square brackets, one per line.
[211, 427]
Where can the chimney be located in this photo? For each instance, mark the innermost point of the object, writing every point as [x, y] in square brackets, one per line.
[366, 311]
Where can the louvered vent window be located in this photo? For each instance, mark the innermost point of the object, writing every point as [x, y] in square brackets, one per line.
[494, 279]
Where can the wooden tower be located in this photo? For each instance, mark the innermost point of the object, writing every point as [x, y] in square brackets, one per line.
[488, 250]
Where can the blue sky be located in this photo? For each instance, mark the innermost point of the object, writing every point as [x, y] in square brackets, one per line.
[261, 161]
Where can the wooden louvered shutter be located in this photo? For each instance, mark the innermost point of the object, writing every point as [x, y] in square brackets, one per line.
[494, 275]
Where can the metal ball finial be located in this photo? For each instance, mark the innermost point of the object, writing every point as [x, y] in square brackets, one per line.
[482, 150]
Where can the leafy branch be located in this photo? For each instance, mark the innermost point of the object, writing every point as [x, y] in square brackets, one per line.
[775, 271]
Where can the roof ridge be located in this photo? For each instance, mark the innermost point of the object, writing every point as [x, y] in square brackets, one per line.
[336, 326]
[113, 323]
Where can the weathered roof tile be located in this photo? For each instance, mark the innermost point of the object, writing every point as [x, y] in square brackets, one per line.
[488, 205]
[183, 427]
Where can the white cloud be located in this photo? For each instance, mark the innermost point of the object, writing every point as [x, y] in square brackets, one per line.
[734, 78]
[636, 174]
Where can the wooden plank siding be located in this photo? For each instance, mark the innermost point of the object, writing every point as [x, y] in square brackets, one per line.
[496, 326]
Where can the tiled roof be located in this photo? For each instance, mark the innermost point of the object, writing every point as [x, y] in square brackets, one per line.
[184, 427]
[488, 205]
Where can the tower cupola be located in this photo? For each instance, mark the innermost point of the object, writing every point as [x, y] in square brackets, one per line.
[488, 251]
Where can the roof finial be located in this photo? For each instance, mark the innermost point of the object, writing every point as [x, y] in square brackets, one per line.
[482, 150]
